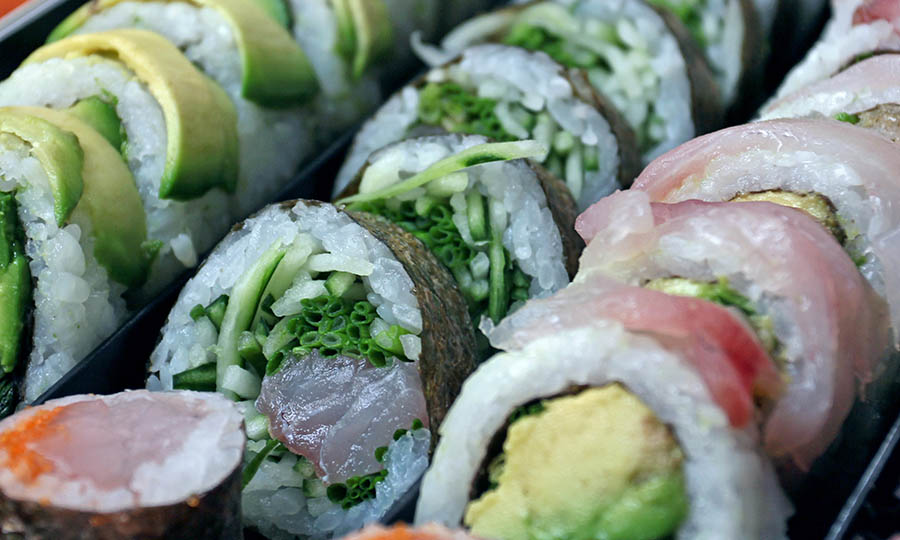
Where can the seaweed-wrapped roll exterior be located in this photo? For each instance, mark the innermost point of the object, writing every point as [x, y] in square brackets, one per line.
[130, 465]
[345, 341]
[509, 94]
[616, 438]
[72, 242]
[502, 226]
[827, 331]
[641, 60]
[176, 129]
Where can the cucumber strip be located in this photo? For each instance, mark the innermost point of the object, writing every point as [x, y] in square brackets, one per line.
[446, 186]
[563, 142]
[498, 300]
[475, 213]
[245, 296]
[241, 382]
[476, 155]
[575, 171]
[201, 378]
[304, 467]
[278, 10]
[290, 265]
[256, 424]
[216, 311]
[544, 130]
[251, 351]
[313, 487]
[479, 290]
[251, 468]
[389, 340]
[424, 204]
[279, 337]
[339, 283]
[357, 291]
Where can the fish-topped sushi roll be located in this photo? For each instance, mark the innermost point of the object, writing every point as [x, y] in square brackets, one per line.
[73, 240]
[255, 60]
[842, 175]
[345, 342]
[510, 94]
[643, 61]
[501, 225]
[590, 430]
[827, 330]
[130, 465]
[175, 127]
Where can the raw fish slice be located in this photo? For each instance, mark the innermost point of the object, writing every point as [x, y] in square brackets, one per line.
[854, 168]
[336, 411]
[721, 347]
[829, 322]
[130, 465]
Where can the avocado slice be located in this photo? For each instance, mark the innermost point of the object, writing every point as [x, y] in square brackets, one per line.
[101, 116]
[276, 71]
[110, 199]
[15, 282]
[364, 32]
[202, 148]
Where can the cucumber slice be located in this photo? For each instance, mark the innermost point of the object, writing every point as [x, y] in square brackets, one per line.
[294, 258]
[304, 467]
[476, 215]
[339, 283]
[241, 382]
[201, 378]
[216, 310]
[251, 352]
[498, 299]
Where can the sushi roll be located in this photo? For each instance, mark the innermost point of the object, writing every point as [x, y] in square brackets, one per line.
[402, 532]
[503, 226]
[176, 129]
[252, 56]
[617, 438]
[73, 242]
[826, 332]
[842, 175]
[345, 342]
[642, 60]
[480, 95]
[130, 465]
[866, 94]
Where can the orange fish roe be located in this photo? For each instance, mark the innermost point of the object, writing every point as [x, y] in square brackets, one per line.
[25, 463]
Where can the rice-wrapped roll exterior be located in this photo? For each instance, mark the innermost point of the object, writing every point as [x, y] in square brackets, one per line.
[866, 94]
[130, 465]
[503, 227]
[844, 176]
[826, 330]
[339, 332]
[72, 242]
[617, 438]
[176, 128]
[402, 532]
[255, 60]
[642, 60]
[479, 94]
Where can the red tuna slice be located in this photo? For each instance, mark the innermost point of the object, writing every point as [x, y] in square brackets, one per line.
[832, 324]
[336, 411]
[857, 169]
[722, 348]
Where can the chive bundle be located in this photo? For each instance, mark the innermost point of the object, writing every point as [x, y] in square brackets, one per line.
[451, 106]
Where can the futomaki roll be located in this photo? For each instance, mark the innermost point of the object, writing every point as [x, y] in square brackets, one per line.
[843, 176]
[589, 429]
[827, 330]
[345, 341]
[503, 226]
[642, 60]
[175, 128]
[509, 94]
[130, 465]
[72, 242]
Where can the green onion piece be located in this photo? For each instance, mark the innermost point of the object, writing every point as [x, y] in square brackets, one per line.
[336, 493]
[201, 379]
[253, 466]
[197, 312]
[399, 433]
[379, 453]
[216, 310]
[846, 117]
[251, 351]
[417, 424]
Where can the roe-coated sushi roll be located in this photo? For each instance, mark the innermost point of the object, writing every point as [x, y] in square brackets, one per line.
[509, 94]
[175, 128]
[73, 240]
[130, 465]
[843, 176]
[643, 61]
[402, 532]
[503, 226]
[345, 341]
[589, 430]
[826, 331]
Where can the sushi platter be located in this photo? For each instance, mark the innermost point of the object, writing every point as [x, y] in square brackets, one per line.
[472, 269]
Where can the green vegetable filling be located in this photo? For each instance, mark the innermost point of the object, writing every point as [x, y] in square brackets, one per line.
[15, 284]
[691, 14]
[452, 107]
[846, 117]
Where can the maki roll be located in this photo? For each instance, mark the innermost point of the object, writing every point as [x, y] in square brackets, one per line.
[642, 60]
[866, 94]
[826, 332]
[509, 94]
[842, 175]
[130, 465]
[402, 532]
[619, 438]
[345, 342]
[175, 128]
[72, 243]
[501, 225]
[255, 60]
